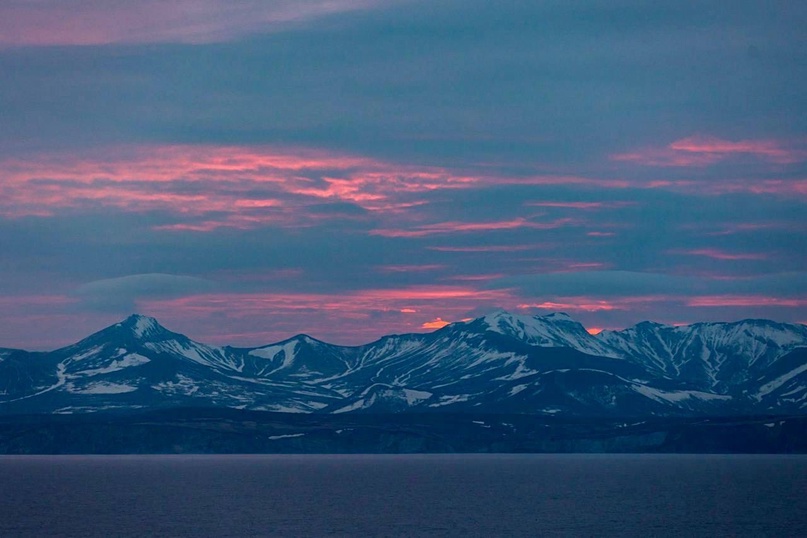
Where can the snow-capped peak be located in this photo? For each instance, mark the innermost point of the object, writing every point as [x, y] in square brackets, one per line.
[505, 323]
[551, 330]
[142, 326]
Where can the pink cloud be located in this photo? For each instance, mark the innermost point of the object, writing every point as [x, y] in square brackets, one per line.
[716, 254]
[771, 150]
[594, 304]
[582, 205]
[590, 306]
[600, 234]
[361, 301]
[585, 266]
[551, 179]
[699, 151]
[87, 22]
[410, 268]
[740, 227]
[488, 248]
[474, 278]
[203, 188]
[718, 186]
[460, 227]
[209, 187]
[794, 187]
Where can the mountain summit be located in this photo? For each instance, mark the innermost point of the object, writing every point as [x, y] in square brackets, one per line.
[499, 363]
[551, 330]
[142, 326]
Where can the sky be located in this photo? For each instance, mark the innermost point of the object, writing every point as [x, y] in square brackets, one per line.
[246, 170]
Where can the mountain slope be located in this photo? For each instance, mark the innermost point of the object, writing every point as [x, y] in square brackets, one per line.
[717, 357]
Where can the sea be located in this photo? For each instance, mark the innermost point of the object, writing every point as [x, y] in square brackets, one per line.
[403, 495]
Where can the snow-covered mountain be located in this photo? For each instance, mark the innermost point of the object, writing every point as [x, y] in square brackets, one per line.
[500, 363]
[752, 357]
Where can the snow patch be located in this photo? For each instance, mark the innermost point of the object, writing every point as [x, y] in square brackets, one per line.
[415, 396]
[520, 371]
[289, 350]
[287, 436]
[771, 386]
[89, 353]
[675, 396]
[518, 388]
[794, 391]
[183, 385]
[132, 359]
[101, 388]
[448, 400]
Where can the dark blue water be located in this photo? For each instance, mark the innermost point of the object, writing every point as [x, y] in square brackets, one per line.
[426, 495]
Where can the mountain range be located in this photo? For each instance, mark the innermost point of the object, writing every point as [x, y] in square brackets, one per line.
[498, 383]
[499, 363]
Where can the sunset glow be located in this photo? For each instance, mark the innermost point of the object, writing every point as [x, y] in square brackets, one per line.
[245, 171]
[437, 323]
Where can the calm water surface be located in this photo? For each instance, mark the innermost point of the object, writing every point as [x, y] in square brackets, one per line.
[424, 495]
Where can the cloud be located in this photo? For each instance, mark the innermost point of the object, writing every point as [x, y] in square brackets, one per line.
[699, 151]
[745, 301]
[94, 22]
[259, 144]
[599, 288]
[717, 254]
[458, 82]
[595, 283]
[486, 248]
[123, 294]
[210, 187]
[581, 205]
[460, 227]
[410, 268]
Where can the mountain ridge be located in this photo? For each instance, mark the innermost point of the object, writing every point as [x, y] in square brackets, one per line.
[500, 363]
